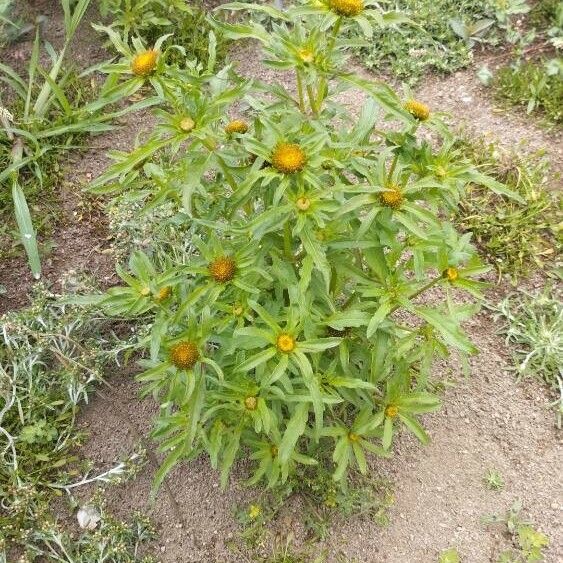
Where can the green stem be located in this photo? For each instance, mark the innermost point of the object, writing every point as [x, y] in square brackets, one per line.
[287, 242]
[300, 91]
[312, 103]
[323, 83]
[393, 166]
[424, 288]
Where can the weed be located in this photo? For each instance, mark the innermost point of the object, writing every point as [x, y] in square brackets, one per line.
[450, 555]
[514, 236]
[493, 480]
[532, 85]
[443, 39]
[51, 358]
[534, 329]
[529, 544]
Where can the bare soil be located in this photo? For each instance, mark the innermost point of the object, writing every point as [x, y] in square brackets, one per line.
[488, 421]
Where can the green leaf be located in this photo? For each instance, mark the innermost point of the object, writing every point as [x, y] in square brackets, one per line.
[294, 430]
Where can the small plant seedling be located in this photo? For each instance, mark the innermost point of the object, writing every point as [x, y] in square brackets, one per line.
[450, 555]
[528, 543]
[493, 480]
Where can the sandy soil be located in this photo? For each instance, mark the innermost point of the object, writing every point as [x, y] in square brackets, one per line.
[487, 422]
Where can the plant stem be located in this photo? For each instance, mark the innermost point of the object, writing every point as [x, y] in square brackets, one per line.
[287, 246]
[300, 91]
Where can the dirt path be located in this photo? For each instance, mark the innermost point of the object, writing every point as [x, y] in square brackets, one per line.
[487, 422]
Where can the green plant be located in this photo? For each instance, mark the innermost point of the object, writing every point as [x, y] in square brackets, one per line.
[528, 542]
[50, 359]
[493, 480]
[148, 19]
[442, 40]
[277, 336]
[43, 120]
[450, 555]
[532, 85]
[534, 325]
[514, 236]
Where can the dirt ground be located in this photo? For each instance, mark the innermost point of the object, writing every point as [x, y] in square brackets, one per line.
[487, 421]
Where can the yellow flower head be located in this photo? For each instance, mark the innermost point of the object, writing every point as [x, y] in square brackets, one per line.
[418, 110]
[163, 293]
[303, 203]
[144, 63]
[238, 310]
[251, 403]
[223, 269]
[451, 274]
[288, 158]
[391, 411]
[353, 437]
[392, 197]
[145, 291]
[285, 343]
[274, 450]
[236, 126]
[187, 124]
[184, 355]
[348, 8]
[254, 511]
[306, 55]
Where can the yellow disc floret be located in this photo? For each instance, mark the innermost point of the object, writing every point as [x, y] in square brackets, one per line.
[163, 293]
[418, 110]
[285, 343]
[251, 403]
[274, 450]
[348, 8]
[306, 55]
[392, 197]
[303, 203]
[236, 126]
[451, 274]
[223, 269]
[391, 411]
[184, 355]
[145, 291]
[144, 63]
[353, 437]
[187, 124]
[288, 158]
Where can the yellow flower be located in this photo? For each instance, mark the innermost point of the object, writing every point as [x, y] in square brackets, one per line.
[238, 309]
[251, 403]
[187, 124]
[353, 437]
[145, 291]
[348, 8]
[285, 343]
[144, 63]
[451, 274]
[391, 411]
[163, 293]
[303, 203]
[274, 450]
[418, 110]
[254, 511]
[184, 355]
[306, 55]
[392, 197]
[223, 269]
[288, 158]
[236, 126]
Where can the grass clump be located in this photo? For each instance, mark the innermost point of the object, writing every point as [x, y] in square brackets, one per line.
[442, 40]
[537, 86]
[515, 236]
[51, 357]
[534, 328]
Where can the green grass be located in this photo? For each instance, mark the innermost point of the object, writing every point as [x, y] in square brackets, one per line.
[533, 327]
[408, 52]
[517, 238]
[51, 358]
[530, 86]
